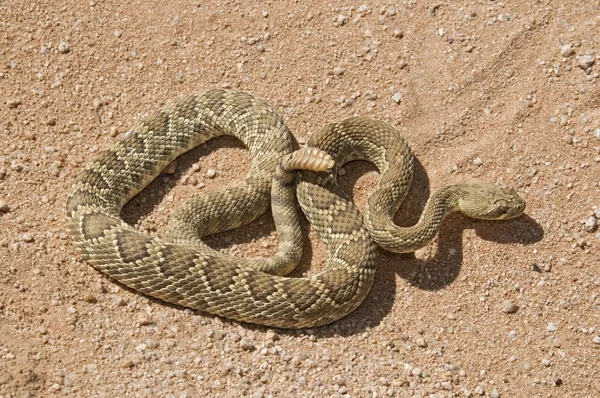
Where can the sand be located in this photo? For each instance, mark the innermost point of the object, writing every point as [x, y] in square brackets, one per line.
[502, 92]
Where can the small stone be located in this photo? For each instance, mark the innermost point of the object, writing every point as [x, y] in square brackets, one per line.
[13, 102]
[586, 61]
[145, 320]
[551, 327]
[63, 47]
[4, 208]
[90, 298]
[591, 224]
[27, 237]
[398, 33]
[128, 364]
[509, 307]
[341, 19]
[342, 171]
[566, 50]
[211, 173]
[494, 394]
[416, 371]
[271, 336]
[120, 301]
[597, 134]
[546, 362]
[338, 71]
[170, 169]
[247, 344]
[596, 339]
[478, 162]
[151, 343]
[397, 97]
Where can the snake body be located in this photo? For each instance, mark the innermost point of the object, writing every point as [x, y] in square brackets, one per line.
[184, 271]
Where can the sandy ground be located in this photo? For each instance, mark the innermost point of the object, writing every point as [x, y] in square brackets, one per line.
[482, 89]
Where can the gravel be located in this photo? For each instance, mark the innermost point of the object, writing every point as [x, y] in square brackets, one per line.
[13, 102]
[591, 224]
[586, 61]
[338, 71]
[509, 307]
[566, 50]
[64, 47]
[4, 207]
[433, 321]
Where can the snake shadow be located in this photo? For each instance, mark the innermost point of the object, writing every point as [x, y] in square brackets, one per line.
[431, 274]
[436, 271]
[143, 204]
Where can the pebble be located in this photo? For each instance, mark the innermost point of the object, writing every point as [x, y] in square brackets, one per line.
[211, 173]
[591, 224]
[586, 61]
[247, 344]
[4, 208]
[170, 169]
[145, 320]
[551, 327]
[597, 134]
[478, 161]
[90, 298]
[398, 33]
[63, 47]
[271, 336]
[120, 301]
[397, 97]
[566, 50]
[509, 307]
[338, 71]
[27, 237]
[13, 102]
[494, 394]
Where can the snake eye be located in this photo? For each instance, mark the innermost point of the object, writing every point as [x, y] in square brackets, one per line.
[502, 206]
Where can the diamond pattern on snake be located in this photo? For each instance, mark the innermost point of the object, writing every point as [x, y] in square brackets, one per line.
[183, 270]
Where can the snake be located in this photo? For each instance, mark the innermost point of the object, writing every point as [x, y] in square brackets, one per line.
[181, 269]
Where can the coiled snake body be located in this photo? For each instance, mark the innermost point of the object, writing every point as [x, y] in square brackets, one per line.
[183, 270]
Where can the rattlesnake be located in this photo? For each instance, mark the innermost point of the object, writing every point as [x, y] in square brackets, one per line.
[184, 271]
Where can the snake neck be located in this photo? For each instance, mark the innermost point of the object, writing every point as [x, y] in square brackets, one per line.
[380, 211]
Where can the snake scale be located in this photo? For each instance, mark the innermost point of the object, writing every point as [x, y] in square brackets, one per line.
[182, 270]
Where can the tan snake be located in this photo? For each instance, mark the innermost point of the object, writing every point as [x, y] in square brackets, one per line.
[184, 271]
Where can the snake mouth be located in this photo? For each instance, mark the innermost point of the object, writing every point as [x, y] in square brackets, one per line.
[507, 211]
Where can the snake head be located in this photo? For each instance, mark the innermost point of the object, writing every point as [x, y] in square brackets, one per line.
[487, 201]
